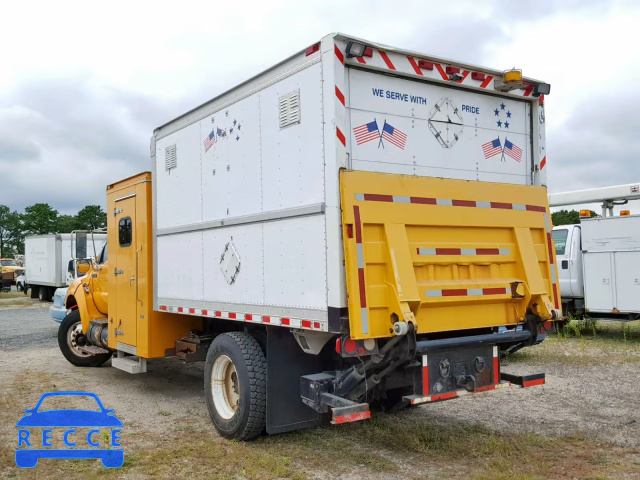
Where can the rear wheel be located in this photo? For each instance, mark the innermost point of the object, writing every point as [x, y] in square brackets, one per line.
[19, 287]
[44, 294]
[71, 339]
[235, 384]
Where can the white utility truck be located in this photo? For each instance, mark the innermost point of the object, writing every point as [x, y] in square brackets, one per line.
[599, 259]
[51, 260]
[318, 231]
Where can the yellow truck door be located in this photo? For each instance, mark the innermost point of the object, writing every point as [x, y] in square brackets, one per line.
[444, 254]
[125, 273]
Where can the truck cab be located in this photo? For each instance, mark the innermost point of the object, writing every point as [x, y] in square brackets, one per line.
[568, 243]
[10, 265]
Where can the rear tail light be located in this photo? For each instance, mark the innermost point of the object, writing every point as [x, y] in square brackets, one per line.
[478, 76]
[425, 65]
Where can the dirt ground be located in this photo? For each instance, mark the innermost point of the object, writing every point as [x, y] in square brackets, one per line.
[584, 423]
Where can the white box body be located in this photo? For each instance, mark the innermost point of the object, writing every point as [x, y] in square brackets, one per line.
[611, 255]
[47, 257]
[257, 169]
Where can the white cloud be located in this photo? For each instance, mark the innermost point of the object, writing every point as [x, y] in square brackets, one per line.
[84, 84]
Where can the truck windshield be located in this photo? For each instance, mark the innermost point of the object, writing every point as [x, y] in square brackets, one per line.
[9, 263]
[560, 239]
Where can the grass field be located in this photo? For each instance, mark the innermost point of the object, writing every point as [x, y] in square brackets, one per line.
[415, 444]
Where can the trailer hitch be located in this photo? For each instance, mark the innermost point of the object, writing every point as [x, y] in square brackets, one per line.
[316, 391]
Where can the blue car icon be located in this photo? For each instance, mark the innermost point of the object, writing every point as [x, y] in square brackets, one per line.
[68, 419]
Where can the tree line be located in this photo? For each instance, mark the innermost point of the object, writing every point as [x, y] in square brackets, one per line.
[41, 219]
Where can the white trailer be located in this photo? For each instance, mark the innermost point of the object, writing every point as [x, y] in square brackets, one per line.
[51, 260]
[599, 259]
[250, 180]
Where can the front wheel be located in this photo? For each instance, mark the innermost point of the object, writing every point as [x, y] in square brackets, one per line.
[71, 338]
[235, 385]
[19, 287]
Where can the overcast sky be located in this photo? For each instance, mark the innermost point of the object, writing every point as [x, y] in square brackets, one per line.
[83, 85]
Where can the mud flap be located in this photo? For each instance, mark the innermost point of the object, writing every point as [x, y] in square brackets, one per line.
[286, 363]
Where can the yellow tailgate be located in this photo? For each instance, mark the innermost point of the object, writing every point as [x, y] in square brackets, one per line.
[444, 254]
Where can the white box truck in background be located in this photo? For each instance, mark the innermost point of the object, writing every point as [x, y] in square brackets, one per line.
[51, 261]
[599, 259]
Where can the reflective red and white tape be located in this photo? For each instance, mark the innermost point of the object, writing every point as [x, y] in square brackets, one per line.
[320, 326]
[447, 202]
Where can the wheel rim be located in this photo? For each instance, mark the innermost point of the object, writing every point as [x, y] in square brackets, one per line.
[225, 387]
[73, 335]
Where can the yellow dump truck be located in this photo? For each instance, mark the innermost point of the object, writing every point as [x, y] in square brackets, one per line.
[9, 265]
[358, 225]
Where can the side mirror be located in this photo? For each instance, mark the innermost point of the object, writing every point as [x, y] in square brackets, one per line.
[83, 267]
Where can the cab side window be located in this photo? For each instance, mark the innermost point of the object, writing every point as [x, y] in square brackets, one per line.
[125, 232]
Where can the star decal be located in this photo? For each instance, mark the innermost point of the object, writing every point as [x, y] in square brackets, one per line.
[237, 138]
[508, 114]
[234, 121]
[499, 123]
[502, 106]
[238, 126]
[496, 112]
[231, 130]
[506, 124]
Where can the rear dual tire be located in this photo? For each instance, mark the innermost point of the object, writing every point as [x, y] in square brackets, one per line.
[235, 384]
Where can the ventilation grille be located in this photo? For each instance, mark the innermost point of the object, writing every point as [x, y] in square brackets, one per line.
[289, 106]
[170, 157]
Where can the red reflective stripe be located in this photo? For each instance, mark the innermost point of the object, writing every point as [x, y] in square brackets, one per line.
[351, 418]
[338, 54]
[266, 319]
[425, 380]
[441, 70]
[535, 208]
[496, 370]
[356, 214]
[361, 60]
[232, 315]
[555, 295]
[494, 291]
[386, 59]
[339, 95]
[284, 321]
[487, 251]
[163, 307]
[463, 203]
[487, 81]
[541, 100]
[306, 324]
[374, 197]
[551, 259]
[507, 206]
[192, 310]
[205, 312]
[543, 163]
[316, 324]
[363, 295]
[484, 389]
[248, 316]
[424, 201]
[180, 309]
[341, 137]
[455, 292]
[533, 383]
[218, 314]
[448, 251]
[414, 65]
[528, 90]
[444, 396]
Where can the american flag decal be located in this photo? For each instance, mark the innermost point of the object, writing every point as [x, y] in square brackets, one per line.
[209, 141]
[367, 132]
[394, 136]
[492, 148]
[512, 150]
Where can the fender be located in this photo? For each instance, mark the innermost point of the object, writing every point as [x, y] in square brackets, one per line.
[78, 297]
